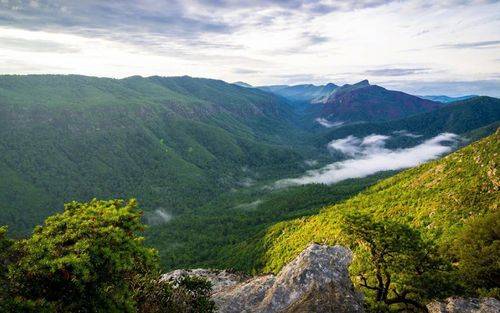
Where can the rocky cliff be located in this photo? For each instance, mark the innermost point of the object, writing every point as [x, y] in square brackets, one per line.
[461, 305]
[315, 281]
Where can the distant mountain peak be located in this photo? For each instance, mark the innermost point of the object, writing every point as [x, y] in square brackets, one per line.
[306, 93]
[364, 82]
[364, 102]
[242, 84]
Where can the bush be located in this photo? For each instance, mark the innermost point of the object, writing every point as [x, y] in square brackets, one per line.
[90, 258]
[185, 294]
[477, 253]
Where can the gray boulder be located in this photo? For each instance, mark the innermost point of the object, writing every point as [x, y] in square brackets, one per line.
[462, 305]
[315, 281]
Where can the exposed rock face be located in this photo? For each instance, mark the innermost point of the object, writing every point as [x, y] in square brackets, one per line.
[316, 281]
[472, 305]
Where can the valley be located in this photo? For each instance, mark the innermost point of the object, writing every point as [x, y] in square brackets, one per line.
[242, 177]
[203, 154]
[304, 156]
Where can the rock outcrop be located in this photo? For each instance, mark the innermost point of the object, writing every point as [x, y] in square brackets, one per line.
[316, 281]
[462, 305]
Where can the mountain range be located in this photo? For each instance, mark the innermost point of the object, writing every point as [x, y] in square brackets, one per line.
[446, 99]
[157, 139]
[440, 198]
[201, 155]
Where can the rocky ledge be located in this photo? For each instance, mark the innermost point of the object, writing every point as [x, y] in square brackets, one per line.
[315, 281]
[462, 305]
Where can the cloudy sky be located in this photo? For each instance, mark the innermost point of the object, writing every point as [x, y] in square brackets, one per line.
[425, 47]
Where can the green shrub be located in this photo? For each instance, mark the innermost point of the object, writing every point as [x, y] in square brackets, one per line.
[90, 258]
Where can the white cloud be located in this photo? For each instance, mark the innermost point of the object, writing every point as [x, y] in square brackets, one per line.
[343, 42]
[406, 134]
[249, 206]
[311, 163]
[370, 157]
[326, 123]
[159, 216]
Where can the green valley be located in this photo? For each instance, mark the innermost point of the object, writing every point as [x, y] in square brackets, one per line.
[443, 199]
[171, 142]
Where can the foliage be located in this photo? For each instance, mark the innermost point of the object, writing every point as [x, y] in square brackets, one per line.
[459, 118]
[211, 235]
[170, 142]
[184, 294]
[89, 258]
[84, 258]
[394, 265]
[435, 199]
[477, 250]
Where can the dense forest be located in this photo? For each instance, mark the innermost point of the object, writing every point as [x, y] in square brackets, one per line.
[170, 142]
[202, 158]
[422, 234]
[198, 154]
[443, 214]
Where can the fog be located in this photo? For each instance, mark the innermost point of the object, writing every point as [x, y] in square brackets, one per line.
[249, 206]
[406, 133]
[311, 163]
[326, 123]
[369, 156]
[159, 216]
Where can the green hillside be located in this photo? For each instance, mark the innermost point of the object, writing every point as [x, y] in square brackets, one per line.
[171, 142]
[204, 236]
[437, 198]
[459, 118]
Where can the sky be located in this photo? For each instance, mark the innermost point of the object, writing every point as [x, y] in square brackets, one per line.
[422, 47]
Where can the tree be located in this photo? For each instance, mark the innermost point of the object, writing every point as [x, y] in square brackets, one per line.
[84, 259]
[394, 264]
[90, 258]
[183, 294]
[477, 253]
[6, 255]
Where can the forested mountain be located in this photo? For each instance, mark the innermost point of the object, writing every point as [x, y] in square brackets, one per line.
[243, 84]
[170, 142]
[451, 203]
[301, 93]
[200, 155]
[446, 99]
[459, 118]
[365, 102]
[238, 215]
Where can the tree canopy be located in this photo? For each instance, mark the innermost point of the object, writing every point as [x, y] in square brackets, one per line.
[89, 258]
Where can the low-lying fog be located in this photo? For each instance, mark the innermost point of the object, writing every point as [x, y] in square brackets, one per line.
[368, 156]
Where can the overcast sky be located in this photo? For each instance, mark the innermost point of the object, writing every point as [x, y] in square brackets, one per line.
[424, 47]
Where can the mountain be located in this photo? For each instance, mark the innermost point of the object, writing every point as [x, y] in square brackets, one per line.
[301, 93]
[460, 117]
[446, 99]
[243, 84]
[437, 198]
[365, 102]
[172, 142]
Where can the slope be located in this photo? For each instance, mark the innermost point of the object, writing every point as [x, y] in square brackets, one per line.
[172, 142]
[446, 99]
[437, 198]
[459, 118]
[365, 102]
[301, 93]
